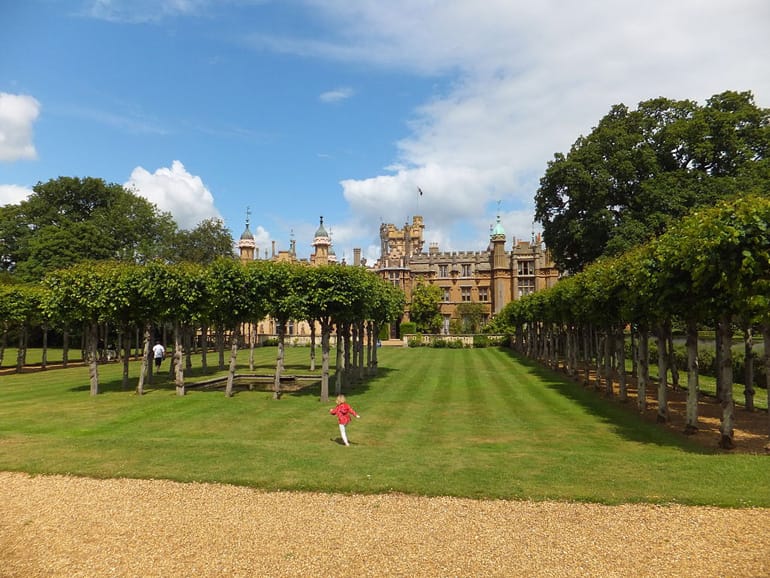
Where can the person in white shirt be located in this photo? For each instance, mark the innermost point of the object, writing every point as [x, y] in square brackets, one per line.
[158, 352]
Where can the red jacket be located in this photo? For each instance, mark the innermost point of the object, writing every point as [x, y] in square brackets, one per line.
[343, 411]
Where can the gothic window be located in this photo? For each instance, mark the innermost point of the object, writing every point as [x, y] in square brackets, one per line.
[483, 293]
[526, 286]
[445, 294]
[466, 270]
[526, 267]
[465, 293]
[442, 271]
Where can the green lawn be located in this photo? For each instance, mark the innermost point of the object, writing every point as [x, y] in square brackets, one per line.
[478, 423]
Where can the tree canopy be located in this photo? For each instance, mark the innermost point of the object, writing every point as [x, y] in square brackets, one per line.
[638, 169]
[71, 220]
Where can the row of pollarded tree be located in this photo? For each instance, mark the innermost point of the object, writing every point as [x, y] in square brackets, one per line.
[191, 298]
[712, 268]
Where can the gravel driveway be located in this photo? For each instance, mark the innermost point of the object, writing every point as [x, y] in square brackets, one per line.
[78, 527]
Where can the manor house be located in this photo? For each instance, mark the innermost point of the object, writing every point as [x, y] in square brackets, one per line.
[491, 278]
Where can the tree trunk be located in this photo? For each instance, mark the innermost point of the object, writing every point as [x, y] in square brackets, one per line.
[312, 344]
[252, 344]
[144, 370]
[339, 361]
[609, 345]
[748, 378]
[3, 342]
[123, 341]
[672, 358]
[693, 380]
[281, 329]
[178, 359]
[620, 348]
[44, 361]
[360, 350]
[726, 375]
[662, 341]
[375, 350]
[93, 362]
[325, 334]
[204, 348]
[233, 360]
[643, 377]
[221, 346]
[766, 343]
[21, 352]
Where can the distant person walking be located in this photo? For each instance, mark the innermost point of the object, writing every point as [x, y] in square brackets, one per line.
[343, 412]
[158, 352]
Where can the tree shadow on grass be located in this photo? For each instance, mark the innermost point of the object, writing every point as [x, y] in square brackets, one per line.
[623, 417]
[295, 384]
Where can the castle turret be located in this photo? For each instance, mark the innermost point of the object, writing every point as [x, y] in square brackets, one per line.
[247, 244]
[321, 243]
[500, 290]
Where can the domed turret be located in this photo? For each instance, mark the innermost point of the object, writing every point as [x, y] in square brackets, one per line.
[247, 244]
[498, 231]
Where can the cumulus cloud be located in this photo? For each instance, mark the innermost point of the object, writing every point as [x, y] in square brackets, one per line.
[336, 95]
[13, 194]
[18, 112]
[524, 80]
[177, 191]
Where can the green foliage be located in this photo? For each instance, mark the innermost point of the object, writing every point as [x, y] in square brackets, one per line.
[408, 328]
[69, 220]
[415, 341]
[639, 170]
[471, 316]
[481, 341]
[208, 241]
[425, 308]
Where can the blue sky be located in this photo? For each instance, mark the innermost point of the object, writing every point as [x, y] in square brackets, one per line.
[343, 108]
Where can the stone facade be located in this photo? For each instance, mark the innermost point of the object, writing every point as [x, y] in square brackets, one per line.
[493, 277]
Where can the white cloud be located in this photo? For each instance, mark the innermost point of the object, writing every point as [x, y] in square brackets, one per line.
[176, 191]
[525, 80]
[13, 194]
[336, 95]
[18, 112]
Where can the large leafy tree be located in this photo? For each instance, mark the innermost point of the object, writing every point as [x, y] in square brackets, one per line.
[425, 308]
[70, 220]
[639, 169]
[207, 242]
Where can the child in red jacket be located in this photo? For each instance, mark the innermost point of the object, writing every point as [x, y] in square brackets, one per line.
[343, 412]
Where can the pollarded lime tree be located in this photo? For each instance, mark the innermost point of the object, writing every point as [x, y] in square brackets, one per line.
[284, 301]
[175, 294]
[728, 251]
[80, 295]
[385, 305]
[235, 295]
[20, 309]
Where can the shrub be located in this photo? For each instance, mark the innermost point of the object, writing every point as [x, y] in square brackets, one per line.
[480, 341]
[439, 343]
[415, 341]
[408, 328]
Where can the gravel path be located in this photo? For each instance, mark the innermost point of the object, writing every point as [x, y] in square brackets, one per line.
[78, 527]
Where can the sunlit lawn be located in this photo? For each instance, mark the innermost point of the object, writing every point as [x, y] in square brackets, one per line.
[478, 423]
